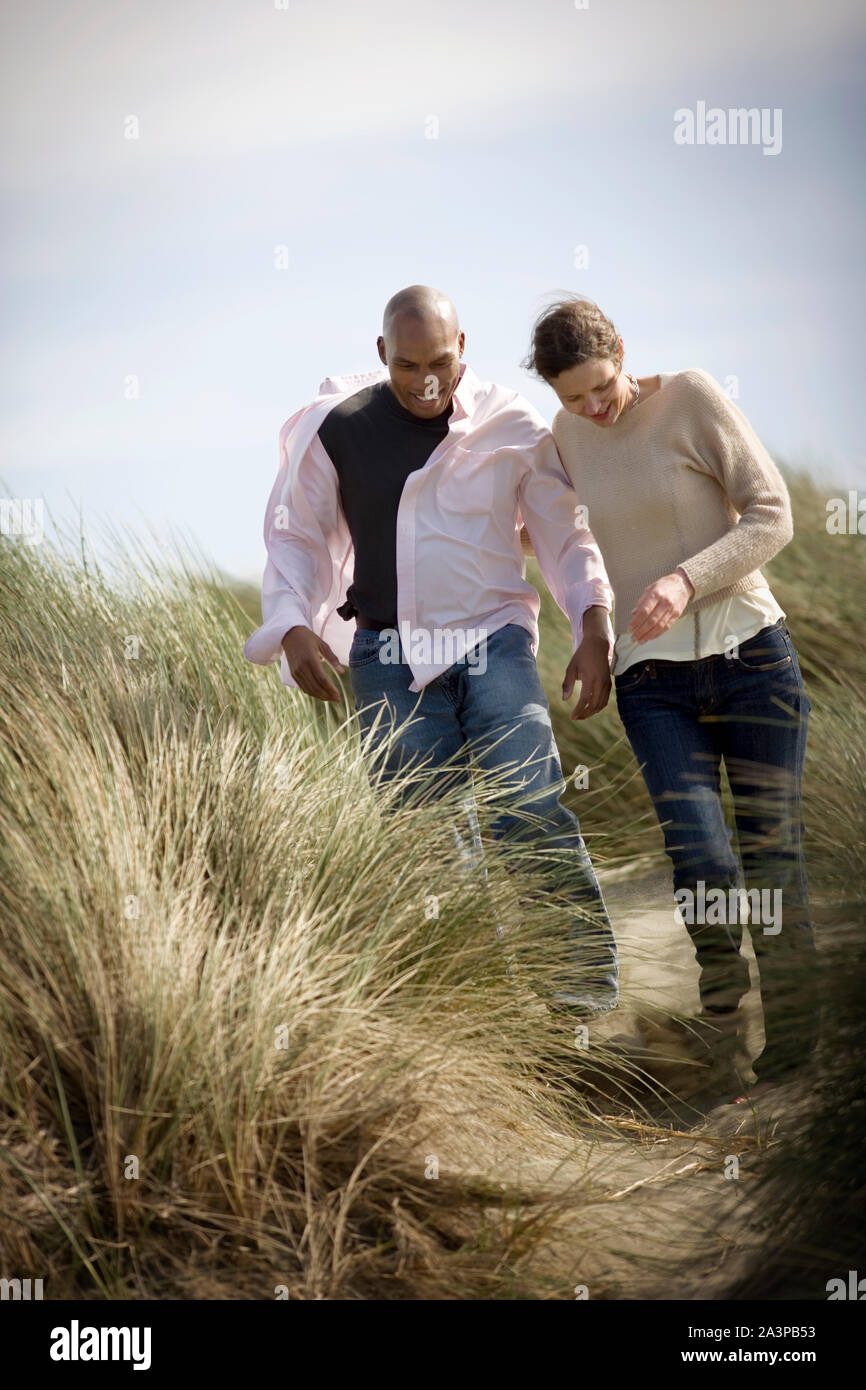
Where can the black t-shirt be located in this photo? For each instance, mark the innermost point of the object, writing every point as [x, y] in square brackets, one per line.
[374, 444]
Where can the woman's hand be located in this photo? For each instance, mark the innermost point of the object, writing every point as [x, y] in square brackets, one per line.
[659, 606]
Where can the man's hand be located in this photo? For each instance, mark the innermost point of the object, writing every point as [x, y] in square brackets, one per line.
[659, 606]
[591, 666]
[305, 653]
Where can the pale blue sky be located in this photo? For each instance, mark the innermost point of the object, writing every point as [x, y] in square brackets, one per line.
[305, 126]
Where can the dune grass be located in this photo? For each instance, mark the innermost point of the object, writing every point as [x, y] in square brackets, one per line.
[258, 1031]
[256, 1028]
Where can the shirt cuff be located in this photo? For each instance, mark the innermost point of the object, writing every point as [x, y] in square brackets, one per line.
[597, 594]
[265, 644]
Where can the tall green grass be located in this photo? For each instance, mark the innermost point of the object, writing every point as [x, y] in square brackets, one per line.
[251, 1006]
[256, 1026]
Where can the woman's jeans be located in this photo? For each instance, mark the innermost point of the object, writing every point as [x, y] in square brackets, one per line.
[750, 710]
[496, 713]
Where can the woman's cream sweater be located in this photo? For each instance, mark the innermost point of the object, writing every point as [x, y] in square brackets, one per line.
[680, 480]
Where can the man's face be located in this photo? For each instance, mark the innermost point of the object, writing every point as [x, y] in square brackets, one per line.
[423, 360]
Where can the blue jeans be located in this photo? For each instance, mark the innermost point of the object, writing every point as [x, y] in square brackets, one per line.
[750, 711]
[498, 717]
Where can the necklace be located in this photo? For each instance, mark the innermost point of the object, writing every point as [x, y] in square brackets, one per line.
[633, 381]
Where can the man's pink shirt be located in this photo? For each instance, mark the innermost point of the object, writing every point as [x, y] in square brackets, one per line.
[460, 566]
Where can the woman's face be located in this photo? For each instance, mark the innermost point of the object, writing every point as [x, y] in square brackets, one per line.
[594, 390]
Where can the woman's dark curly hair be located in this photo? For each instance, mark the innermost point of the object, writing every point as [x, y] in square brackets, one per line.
[571, 331]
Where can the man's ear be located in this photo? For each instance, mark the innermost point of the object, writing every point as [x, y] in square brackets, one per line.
[380, 344]
[461, 343]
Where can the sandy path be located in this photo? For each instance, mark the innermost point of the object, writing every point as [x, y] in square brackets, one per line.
[657, 1187]
[658, 971]
[671, 1213]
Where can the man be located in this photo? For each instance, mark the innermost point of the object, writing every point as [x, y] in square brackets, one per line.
[399, 504]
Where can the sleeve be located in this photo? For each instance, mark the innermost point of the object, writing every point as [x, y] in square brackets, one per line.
[302, 518]
[566, 550]
[727, 449]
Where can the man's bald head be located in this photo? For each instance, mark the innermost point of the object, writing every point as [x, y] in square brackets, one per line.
[422, 303]
[421, 345]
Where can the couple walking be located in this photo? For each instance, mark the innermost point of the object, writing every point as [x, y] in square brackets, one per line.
[395, 534]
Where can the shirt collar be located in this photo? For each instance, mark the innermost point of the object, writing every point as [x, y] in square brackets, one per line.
[465, 393]
[464, 396]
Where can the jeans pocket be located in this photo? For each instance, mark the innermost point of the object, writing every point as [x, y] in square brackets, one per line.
[365, 649]
[632, 678]
[768, 650]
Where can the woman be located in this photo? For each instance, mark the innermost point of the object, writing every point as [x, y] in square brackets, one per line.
[686, 505]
